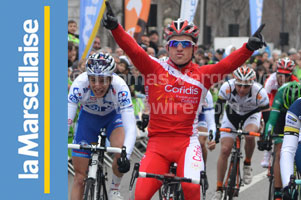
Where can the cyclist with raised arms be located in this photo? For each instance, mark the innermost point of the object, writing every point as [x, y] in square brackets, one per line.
[245, 100]
[175, 90]
[275, 125]
[285, 68]
[105, 103]
[291, 147]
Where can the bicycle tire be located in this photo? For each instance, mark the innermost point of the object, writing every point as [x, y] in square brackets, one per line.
[89, 189]
[271, 179]
[271, 189]
[177, 192]
[101, 186]
[232, 179]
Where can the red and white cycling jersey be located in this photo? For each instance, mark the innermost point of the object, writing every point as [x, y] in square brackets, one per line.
[271, 86]
[174, 94]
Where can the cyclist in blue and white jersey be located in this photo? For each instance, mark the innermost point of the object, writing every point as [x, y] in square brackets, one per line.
[105, 103]
[291, 147]
[207, 123]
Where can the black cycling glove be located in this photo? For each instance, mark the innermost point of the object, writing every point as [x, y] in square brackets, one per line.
[109, 20]
[256, 41]
[123, 165]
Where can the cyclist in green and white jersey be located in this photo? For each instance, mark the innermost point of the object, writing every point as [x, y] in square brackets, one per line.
[285, 96]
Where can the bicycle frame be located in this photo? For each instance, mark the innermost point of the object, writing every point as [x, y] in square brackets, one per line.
[95, 181]
[270, 173]
[169, 179]
[234, 181]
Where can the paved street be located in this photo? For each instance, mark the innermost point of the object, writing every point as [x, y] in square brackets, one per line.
[256, 190]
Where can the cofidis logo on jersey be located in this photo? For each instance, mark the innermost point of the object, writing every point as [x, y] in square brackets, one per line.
[182, 89]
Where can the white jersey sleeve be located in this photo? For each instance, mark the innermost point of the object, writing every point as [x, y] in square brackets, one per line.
[225, 91]
[124, 102]
[75, 96]
[262, 97]
[290, 141]
[209, 113]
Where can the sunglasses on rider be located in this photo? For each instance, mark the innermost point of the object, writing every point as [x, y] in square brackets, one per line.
[282, 74]
[184, 43]
[242, 85]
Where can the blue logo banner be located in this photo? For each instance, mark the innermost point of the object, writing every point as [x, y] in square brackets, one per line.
[89, 10]
[34, 108]
[255, 14]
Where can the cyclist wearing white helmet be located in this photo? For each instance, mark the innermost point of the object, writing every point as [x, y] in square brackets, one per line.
[175, 91]
[105, 103]
[244, 100]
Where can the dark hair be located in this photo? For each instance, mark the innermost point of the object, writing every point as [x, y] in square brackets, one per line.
[70, 45]
[71, 21]
[153, 32]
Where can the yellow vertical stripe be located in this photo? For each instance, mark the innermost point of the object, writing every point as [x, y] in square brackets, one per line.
[47, 99]
[95, 29]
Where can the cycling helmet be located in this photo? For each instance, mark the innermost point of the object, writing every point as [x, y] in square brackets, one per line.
[182, 27]
[244, 75]
[291, 92]
[285, 65]
[100, 64]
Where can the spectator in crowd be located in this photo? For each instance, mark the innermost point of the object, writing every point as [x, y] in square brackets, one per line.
[123, 69]
[265, 56]
[107, 50]
[154, 40]
[72, 28]
[218, 56]
[71, 53]
[297, 71]
[261, 74]
[151, 51]
[145, 40]
[97, 43]
[268, 66]
[275, 55]
[198, 56]
[229, 50]
[137, 81]
[119, 51]
[116, 58]
[162, 53]
[293, 54]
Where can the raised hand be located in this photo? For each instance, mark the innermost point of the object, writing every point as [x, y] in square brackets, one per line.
[256, 41]
[109, 20]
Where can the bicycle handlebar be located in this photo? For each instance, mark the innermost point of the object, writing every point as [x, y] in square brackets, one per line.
[229, 130]
[208, 134]
[169, 177]
[95, 148]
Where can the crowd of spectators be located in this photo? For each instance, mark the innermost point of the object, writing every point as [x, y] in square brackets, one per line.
[263, 62]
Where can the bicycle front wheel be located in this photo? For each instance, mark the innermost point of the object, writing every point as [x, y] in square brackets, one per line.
[89, 192]
[230, 190]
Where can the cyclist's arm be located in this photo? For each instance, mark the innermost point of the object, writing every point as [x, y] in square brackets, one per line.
[219, 108]
[214, 73]
[263, 103]
[72, 107]
[128, 118]
[209, 114]
[223, 94]
[138, 56]
[274, 113]
[289, 146]
[74, 97]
